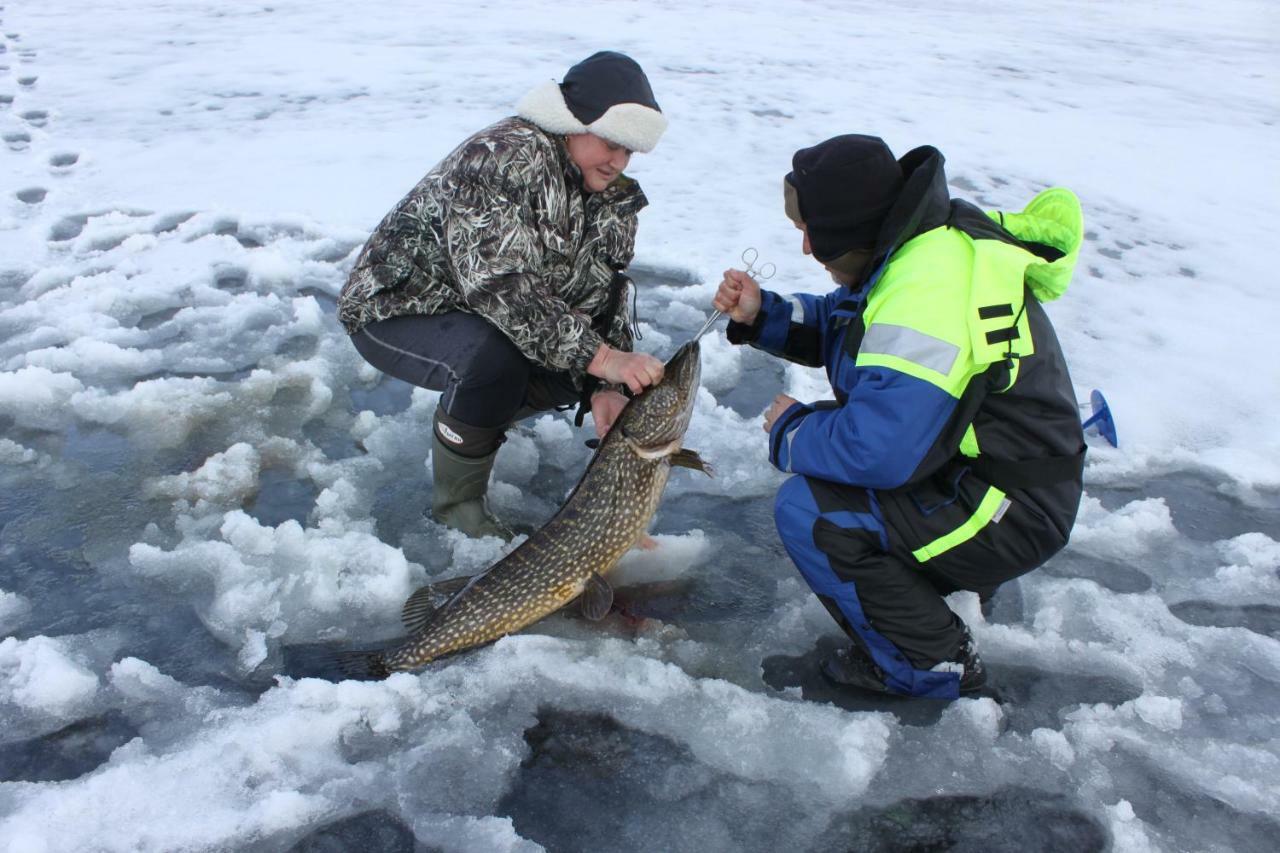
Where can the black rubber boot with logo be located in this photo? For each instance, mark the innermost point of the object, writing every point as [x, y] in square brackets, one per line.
[461, 480]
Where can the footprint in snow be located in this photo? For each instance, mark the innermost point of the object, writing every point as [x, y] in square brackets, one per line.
[68, 228]
[17, 140]
[32, 195]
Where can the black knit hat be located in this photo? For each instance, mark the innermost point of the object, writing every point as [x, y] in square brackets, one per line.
[606, 94]
[844, 187]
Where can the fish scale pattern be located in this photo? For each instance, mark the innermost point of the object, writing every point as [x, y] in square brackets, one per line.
[605, 516]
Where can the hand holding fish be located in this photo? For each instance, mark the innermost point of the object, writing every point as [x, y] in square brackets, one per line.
[605, 408]
[779, 405]
[636, 370]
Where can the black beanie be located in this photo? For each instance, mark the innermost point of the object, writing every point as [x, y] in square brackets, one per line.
[602, 80]
[844, 188]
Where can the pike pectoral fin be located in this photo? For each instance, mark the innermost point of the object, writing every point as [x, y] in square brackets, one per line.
[426, 600]
[686, 458]
[596, 598]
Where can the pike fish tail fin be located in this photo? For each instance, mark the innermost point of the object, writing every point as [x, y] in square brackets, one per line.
[362, 666]
[325, 661]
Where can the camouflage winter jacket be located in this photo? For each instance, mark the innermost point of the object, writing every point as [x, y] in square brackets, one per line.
[502, 228]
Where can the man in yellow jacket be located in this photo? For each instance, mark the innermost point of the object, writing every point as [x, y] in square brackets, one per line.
[951, 455]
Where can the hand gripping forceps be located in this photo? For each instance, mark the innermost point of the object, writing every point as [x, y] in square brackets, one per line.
[764, 272]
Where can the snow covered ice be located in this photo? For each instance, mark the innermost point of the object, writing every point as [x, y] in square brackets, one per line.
[196, 468]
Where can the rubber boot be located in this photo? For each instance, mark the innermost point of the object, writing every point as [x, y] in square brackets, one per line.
[461, 482]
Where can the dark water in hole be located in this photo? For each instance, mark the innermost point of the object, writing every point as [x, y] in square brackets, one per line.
[1200, 510]
[1114, 575]
[43, 540]
[1259, 618]
[389, 396]
[375, 830]
[1177, 814]
[588, 783]
[67, 753]
[586, 773]
[282, 497]
[650, 276]
[1008, 821]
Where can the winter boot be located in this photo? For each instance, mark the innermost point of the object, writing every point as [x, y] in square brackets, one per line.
[461, 482]
[853, 667]
[974, 677]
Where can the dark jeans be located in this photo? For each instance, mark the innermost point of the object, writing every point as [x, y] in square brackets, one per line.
[486, 382]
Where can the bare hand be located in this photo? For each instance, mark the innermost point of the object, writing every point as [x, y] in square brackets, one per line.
[605, 408]
[779, 405]
[738, 296]
[636, 370]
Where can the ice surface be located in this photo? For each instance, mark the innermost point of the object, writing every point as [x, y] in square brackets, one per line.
[13, 610]
[41, 678]
[196, 468]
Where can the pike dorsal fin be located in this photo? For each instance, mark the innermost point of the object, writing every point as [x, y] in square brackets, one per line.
[426, 600]
[596, 598]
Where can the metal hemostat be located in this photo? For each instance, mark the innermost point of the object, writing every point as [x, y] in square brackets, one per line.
[762, 273]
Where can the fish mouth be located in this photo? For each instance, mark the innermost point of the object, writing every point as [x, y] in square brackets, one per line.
[688, 356]
[685, 370]
[685, 367]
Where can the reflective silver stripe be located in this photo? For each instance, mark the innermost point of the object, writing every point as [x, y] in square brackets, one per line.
[907, 343]
[790, 436]
[797, 310]
[1003, 508]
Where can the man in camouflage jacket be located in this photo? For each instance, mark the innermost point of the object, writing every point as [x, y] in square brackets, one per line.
[498, 279]
[501, 229]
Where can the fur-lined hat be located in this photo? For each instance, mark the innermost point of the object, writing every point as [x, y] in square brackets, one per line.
[606, 94]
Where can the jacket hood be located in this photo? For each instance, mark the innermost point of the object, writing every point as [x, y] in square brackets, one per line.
[923, 204]
[1053, 219]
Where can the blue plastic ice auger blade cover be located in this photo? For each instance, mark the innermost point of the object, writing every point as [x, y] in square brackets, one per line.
[1101, 418]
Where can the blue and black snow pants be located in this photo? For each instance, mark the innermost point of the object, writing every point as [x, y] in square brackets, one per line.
[855, 548]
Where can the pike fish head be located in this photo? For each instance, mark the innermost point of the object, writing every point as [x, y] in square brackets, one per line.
[661, 414]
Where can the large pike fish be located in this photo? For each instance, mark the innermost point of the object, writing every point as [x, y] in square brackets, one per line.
[605, 515]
